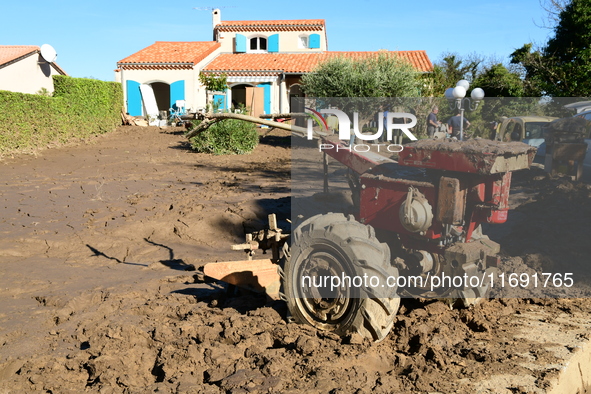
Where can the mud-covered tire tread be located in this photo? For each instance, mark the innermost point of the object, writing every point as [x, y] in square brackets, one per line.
[283, 258]
[372, 317]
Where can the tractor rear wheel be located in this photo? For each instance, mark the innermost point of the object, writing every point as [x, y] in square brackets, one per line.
[337, 246]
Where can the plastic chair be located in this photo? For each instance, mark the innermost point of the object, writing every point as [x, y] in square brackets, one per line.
[177, 110]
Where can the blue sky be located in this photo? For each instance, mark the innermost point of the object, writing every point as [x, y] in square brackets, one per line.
[90, 37]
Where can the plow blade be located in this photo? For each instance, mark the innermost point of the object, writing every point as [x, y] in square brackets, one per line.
[256, 275]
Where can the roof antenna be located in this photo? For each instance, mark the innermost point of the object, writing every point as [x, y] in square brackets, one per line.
[213, 8]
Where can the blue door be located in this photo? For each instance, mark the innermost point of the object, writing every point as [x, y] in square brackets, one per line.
[134, 98]
[219, 102]
[267, 96]
[177, 92]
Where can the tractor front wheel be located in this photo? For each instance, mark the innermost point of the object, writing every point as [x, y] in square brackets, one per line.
[335, 277]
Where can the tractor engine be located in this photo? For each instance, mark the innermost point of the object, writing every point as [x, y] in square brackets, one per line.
[429, 207]
[419, 218]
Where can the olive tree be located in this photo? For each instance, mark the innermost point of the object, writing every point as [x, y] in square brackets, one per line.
[349, 81]
[382, 75]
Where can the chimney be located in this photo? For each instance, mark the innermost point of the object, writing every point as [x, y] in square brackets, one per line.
[216, 17]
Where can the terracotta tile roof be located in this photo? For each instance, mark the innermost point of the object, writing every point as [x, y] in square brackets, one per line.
[419, 59]
[280, 62]
[272, 25]
[174, 53]
[9, 53]
[247, 63]
[275, 22]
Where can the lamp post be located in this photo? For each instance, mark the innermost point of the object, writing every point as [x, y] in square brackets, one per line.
[457, 100]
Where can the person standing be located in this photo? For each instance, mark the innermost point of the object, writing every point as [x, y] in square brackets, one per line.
[454, 124]
[432, 122]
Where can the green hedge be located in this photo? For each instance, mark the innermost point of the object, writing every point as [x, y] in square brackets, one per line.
[79, 108]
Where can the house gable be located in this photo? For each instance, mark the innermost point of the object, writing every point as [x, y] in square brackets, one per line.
[171, 68]
[23, 69]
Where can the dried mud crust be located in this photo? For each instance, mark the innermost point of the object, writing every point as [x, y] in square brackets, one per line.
[475, 145]
[154, 340]
[97, 246]
[485, 156]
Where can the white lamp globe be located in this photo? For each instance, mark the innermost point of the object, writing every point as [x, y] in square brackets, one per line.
[463, 83]
[459, 92]
[449, 93]
[477, 94]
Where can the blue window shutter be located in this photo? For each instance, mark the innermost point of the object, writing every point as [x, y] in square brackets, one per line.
[240, 43]
[134, 98]
[273, 43]
[314, 41]
[267, 96]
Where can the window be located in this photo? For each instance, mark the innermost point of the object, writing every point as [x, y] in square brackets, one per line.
[258, 44]
[303, 42]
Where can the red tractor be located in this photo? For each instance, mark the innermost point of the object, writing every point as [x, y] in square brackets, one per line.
[417, 233]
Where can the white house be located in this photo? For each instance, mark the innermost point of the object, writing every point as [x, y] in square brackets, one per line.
[23, 69]
[263, 61]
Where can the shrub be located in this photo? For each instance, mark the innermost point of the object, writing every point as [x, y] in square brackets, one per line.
[226, 137]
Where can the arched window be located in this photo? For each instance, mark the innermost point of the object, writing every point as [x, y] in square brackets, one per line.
[258, 44]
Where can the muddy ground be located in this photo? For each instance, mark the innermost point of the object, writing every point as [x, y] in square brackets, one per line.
[100, 287]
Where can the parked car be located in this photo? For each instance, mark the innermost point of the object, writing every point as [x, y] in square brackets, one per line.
[528, 129]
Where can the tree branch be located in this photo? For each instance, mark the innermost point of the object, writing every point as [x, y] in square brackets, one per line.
[208, 119]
